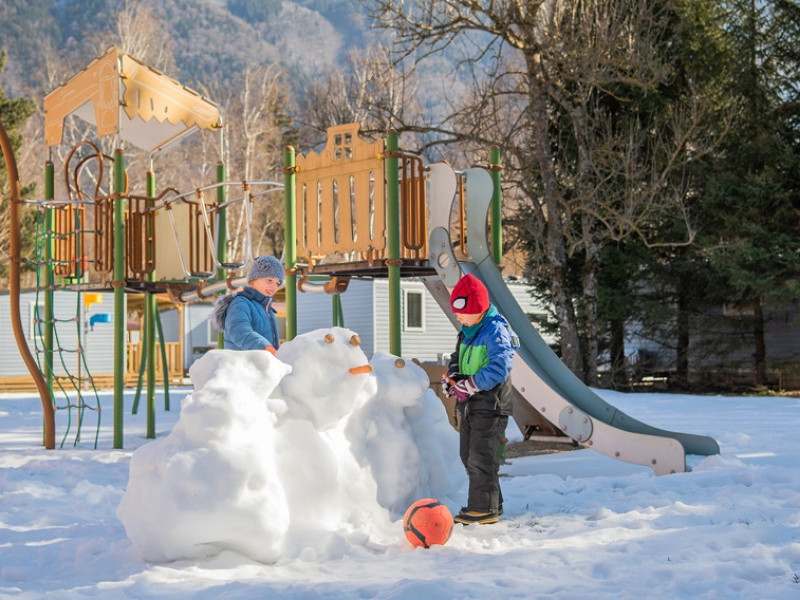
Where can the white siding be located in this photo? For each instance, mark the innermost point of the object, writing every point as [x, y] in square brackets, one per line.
[315, 311]
[170, 324]
[98, 341]
[11, 362]
[437, 340]
[198, 332]
[381, 322]
[366, 308]
[522, 294]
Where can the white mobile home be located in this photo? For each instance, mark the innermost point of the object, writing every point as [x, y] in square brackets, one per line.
[74, 317]
[188, 332]
[86, 320]
[427, 333]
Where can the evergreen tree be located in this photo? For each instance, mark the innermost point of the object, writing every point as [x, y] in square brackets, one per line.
[752, 196]
[650, 286]
[680, 287]
[742, 198]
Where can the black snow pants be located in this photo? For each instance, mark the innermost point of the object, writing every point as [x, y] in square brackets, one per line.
[481, 433]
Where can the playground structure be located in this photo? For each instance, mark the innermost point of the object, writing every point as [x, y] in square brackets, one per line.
[355, 209]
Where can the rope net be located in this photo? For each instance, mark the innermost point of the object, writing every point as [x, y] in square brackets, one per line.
[63, 363]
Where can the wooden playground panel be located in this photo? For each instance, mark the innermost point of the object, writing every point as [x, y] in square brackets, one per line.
[173, 239]
[340, 206]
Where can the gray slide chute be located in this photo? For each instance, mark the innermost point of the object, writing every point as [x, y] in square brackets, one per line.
[541, 380]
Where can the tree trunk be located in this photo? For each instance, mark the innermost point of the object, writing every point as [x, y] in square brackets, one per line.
[759, 342]
[619, 378]
[555, 243]
[682, 349]
[591, 267]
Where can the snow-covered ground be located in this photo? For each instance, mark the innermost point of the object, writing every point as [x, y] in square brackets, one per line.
[266, 481]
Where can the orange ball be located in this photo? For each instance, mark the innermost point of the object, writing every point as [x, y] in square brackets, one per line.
[427, 522]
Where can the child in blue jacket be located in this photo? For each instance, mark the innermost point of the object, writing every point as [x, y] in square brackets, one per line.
[477, 378]
[247, 317]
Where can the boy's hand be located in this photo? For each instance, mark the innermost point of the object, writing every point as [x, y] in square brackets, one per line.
[449, 380]
[463, 389]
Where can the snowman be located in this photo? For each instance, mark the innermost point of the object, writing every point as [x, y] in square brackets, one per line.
[302, 454]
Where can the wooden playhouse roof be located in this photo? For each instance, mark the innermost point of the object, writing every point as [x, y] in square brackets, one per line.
[120, 95]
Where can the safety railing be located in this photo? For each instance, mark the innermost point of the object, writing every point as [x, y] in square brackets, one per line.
[341, 200]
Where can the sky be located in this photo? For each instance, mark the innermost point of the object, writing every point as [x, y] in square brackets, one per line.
[287, 477]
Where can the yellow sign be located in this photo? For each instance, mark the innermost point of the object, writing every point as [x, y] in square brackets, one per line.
[89, 299]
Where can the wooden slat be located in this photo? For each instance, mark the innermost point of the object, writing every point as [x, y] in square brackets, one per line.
[25, 384]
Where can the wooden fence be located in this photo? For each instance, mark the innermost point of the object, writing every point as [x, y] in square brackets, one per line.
[24, 383]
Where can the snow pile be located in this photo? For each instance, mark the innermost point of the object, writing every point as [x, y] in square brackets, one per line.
[292, 455]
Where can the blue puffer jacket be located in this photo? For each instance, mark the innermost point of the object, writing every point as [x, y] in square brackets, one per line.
[250, 322]
[486, 352]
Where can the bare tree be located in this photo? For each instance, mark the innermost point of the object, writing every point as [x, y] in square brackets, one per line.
[254, 127]
[544, 75]
[139, 32]
[368, 89]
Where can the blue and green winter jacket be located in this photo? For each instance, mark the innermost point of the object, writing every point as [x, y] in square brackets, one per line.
[485, 351]
[248, 320]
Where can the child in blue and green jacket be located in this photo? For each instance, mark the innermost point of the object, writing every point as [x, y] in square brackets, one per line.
[477, 377]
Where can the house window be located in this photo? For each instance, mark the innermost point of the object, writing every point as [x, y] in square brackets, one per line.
[414, 311]
[211, 332]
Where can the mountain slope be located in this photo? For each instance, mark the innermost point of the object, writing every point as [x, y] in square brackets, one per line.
[213, 41]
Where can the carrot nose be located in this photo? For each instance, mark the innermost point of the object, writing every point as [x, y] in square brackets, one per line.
[361, 369]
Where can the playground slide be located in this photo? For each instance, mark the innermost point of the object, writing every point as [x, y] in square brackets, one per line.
[541, 380]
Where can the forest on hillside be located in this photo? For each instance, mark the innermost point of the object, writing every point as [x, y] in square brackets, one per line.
[651, 152]
[207, 41]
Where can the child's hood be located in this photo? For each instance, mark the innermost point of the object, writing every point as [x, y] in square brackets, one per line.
[221, 310]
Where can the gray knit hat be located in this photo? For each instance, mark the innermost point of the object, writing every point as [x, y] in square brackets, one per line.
[266, 266]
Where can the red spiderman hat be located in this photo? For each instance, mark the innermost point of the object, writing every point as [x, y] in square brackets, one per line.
[469, 296]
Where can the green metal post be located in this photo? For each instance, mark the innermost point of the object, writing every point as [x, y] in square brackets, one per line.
[164, 363]
[142, 371]
[48, 332]
[337, 317]
[222, 224]
[222, 228]
[150, 308]
[393, 241]
[119, 294]
[497, 207]
[497, 237]
[290, 239]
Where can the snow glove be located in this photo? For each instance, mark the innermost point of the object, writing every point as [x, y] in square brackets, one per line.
[448, 381]
[463, 389]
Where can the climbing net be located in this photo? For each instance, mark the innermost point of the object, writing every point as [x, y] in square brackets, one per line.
[74, 251]
[59, 342]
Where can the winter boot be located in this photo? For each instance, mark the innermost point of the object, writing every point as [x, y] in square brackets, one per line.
[468, 517]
